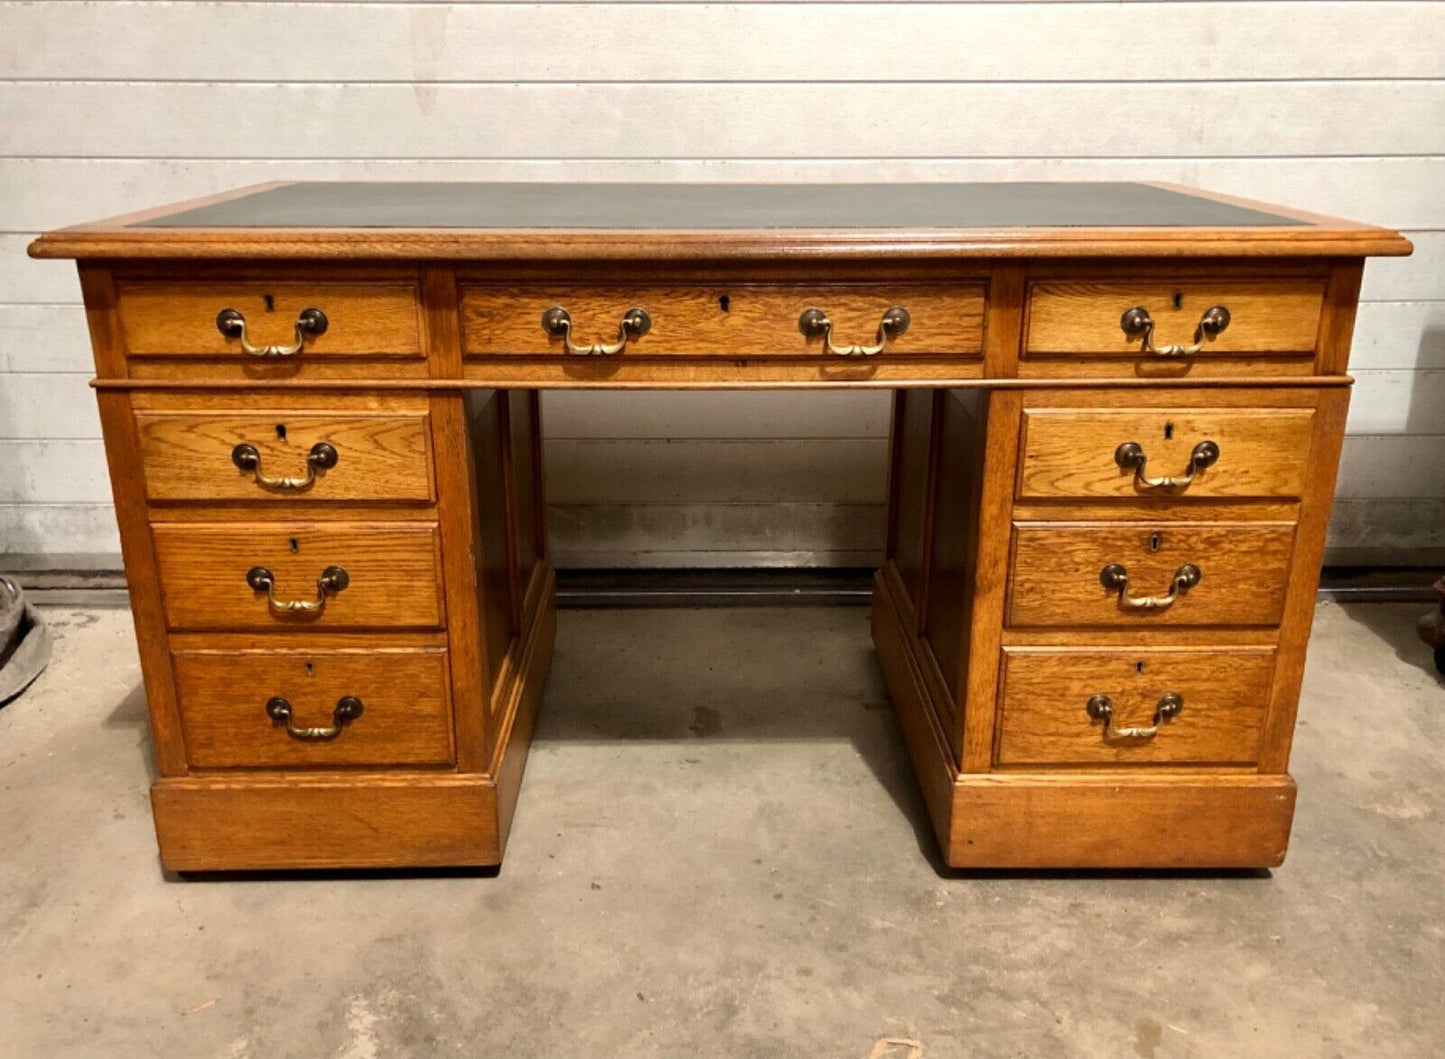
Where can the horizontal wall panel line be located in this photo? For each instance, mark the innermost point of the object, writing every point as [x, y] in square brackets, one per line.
[801, 79]
[518, 43]
[690, 121]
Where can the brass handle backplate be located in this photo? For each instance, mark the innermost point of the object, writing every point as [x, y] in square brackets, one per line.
[815, 322]
[1101, 708]
[309, 323]
[1115, 576]
[348, 708]
[332, 580]
[322, 457]
[1131, 454]
[1137, 322]
[635, 323]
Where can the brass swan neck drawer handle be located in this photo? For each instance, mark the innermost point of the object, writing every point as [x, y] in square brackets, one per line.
[1131, 454]
[635, 323]
[310, 323]
[332, 580]
[1115, 576]
[1137, 322]
[815, 322]
[1101, 708]
[348, 708]
[322, 457]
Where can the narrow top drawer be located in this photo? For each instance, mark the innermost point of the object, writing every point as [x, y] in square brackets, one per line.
[293, 319]
[1173, 318]
[731, 321]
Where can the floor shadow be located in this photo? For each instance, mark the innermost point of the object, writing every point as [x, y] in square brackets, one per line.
[132, 713]
[1394, 624]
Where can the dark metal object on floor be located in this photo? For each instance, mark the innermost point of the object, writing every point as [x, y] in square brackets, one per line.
[24, 641]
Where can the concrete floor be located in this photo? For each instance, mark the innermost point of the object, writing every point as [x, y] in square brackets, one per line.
[720, 851]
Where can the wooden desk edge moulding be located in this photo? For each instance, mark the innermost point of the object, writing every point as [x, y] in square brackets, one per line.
[1117, 418]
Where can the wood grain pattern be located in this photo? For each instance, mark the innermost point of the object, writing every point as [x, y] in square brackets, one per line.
[1082, 316]
[1055, 577]
[406, 717]
[726, 320]
[394, 568]
[271, 821]
[175, 318]
[187, 456]
[1043, 721]
[1082, 820]
[1069, 453]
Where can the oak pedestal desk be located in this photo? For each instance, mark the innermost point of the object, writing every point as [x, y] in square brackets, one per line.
[1117, 417]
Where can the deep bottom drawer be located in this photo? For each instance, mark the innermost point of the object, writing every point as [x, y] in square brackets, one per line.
[1092, 706]
[368, 704]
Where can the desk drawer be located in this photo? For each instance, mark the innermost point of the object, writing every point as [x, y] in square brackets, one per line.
[1164, 452]
[280, 454]
[1076, 707]
[215, 576]
[1059, 573]
[371, 704]
[734, 321]
[1086, 317]
[370, 319]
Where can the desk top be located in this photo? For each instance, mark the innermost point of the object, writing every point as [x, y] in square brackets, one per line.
[595, 220]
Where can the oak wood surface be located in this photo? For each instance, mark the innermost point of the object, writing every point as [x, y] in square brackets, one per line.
[1043, 720]
[991, 625]
[176, 318]
[394, 570]
[1083, 316]
[406, 705]
[1056, 566]
[1069, 453]
[187, 456]
[1080, 820]
[359, 819]
[724, 320]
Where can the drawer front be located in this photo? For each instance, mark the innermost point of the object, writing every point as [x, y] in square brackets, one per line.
[1142, 707]
[1166, 452]
[280, 455]
[1266, 316]
[1059, 575]
[369, 705]
[724, 321]
[164, 318]
[391, 573]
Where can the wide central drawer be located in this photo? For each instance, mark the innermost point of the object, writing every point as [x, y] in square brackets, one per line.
[277, 575]
[1167, 452]
[308, 706]
[749, 321]
[282, 454]
[1139, 574]
[1096, 706]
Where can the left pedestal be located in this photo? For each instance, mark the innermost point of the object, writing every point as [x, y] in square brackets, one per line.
[345, 615]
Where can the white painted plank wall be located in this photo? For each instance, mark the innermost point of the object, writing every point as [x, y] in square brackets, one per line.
[112, 106]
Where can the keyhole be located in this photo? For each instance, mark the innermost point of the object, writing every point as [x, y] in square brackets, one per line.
[1168, 431]
[724, 302]
[1178, 300]
[270, 302]
[311, 670]
[281, 431]
[1139, 666]
[295, 547]
[1154, 541]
